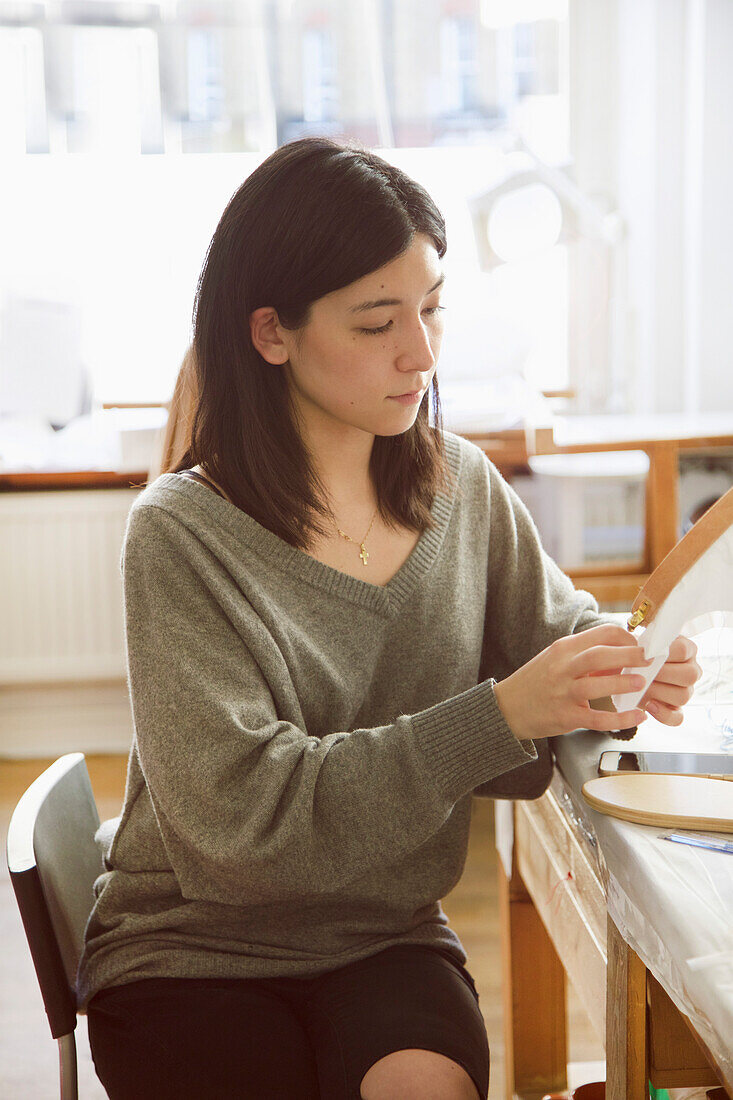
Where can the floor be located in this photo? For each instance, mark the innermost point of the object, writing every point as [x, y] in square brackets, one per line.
[28, 1060]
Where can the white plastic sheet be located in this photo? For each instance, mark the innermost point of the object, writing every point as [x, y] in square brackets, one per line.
[672, 903]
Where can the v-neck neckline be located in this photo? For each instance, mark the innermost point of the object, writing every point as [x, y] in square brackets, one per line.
[387, 598]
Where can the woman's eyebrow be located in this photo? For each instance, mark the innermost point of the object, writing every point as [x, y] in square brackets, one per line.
[389, 301]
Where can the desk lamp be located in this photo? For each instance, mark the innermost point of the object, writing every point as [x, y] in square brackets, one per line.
[536, 206]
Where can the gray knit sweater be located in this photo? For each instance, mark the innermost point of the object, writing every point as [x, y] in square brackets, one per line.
[307, 743]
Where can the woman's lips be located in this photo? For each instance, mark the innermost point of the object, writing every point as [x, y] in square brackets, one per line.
[408, 398]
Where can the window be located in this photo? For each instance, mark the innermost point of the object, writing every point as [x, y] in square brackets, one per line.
[23, 122]
[320, 87]
[160, 109]
[459, 64]
[525, 60]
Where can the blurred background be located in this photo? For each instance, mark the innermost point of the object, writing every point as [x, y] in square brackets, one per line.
[580, 153]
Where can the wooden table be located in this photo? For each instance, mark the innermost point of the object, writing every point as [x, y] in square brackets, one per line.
[555, 923]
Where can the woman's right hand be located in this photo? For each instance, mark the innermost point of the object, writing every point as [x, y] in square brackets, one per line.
[551, 694]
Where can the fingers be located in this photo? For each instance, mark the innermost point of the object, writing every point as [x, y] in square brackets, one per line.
[668, 715]
[670, 694]
[605, 658]
[682, 649]
[596, 687]
[604, 721]
[607, 635]
[551, 693]
[683, 675]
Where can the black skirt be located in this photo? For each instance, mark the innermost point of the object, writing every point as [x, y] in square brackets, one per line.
[285, 1038]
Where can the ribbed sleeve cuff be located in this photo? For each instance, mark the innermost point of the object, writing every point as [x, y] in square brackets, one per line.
[466, 741]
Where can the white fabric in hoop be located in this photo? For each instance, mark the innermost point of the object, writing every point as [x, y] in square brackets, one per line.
[702, 598]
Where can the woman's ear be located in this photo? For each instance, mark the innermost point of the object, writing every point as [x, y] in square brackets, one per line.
[264, 330]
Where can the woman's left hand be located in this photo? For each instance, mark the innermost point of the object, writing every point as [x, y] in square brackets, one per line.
[673, 685]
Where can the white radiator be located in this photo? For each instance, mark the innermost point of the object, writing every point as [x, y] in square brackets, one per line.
[61, 616]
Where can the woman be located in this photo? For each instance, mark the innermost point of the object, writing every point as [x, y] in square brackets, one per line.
[340, 625]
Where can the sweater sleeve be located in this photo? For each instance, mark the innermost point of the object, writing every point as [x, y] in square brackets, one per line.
[530, 602]
[249, 806]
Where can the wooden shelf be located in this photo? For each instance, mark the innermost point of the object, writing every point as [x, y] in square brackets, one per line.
[23, 482]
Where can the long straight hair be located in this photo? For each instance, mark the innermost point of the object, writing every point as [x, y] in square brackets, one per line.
[314, 217]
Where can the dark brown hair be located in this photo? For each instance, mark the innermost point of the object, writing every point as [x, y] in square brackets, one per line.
[314, 217]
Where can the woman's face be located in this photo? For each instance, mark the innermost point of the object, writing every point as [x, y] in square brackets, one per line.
[368, 343]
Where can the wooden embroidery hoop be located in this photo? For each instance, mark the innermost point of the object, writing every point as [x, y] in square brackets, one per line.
[669, 801]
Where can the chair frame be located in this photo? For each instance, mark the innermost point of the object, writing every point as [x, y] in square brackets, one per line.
[54, 922]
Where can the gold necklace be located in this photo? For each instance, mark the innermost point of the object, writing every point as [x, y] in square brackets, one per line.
[363, 553]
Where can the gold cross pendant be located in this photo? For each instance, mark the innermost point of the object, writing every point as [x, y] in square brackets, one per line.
[363, 554]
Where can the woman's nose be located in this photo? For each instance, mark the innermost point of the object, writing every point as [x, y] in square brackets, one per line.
[416, 352]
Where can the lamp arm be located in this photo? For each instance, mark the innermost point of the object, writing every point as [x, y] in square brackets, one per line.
[608, 225]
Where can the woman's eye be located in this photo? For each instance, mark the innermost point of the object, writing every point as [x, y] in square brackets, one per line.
[432, 310]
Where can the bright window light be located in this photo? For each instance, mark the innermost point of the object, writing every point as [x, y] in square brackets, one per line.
[507, 13]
